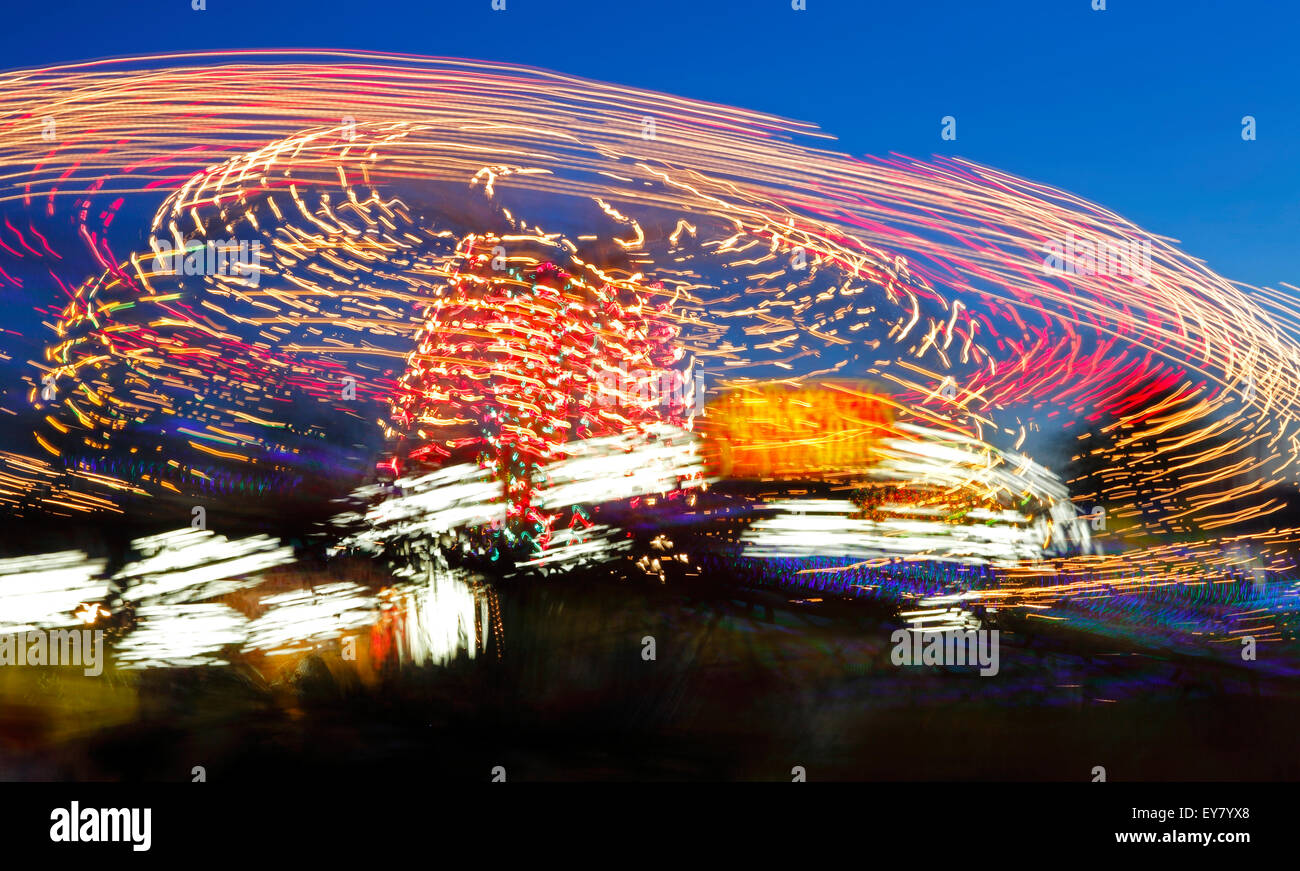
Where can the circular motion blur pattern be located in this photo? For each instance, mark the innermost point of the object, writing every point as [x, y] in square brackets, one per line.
[305, 265]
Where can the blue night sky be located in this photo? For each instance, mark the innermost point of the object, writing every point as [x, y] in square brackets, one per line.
[1137, 107]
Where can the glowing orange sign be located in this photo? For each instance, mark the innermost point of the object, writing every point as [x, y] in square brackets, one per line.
[777, 431]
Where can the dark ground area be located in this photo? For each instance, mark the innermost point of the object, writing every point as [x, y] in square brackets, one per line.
[745, 685]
